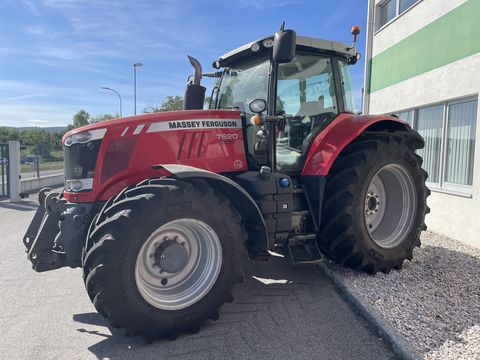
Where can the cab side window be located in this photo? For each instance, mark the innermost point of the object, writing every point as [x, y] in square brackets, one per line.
[306, 95]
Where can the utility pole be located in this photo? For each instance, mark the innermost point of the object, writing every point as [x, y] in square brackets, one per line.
[135, 86]
[119, 97]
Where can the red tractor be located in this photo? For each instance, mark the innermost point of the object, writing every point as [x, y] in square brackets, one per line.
[161, 209]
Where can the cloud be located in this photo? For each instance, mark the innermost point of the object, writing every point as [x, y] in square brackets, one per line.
[20, 88]
[265, 4]
[38, 121]
[34, 30]
[63, 51]
[51, 115]
[31, 7]
[22, 97]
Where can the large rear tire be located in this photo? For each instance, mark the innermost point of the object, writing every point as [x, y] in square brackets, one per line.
[162, 257]
[375, 202]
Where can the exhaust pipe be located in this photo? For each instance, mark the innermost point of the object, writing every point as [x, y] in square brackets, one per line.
[194, 93]
[198, 69]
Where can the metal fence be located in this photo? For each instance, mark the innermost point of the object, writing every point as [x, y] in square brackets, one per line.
[36, 162]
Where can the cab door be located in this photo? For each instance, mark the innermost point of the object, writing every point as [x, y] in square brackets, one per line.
[306, 95]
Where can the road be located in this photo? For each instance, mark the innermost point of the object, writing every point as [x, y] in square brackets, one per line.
[280, 312]
[31, 175]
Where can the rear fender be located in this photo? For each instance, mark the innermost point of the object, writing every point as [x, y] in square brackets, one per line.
[330, 142]
[254, 223]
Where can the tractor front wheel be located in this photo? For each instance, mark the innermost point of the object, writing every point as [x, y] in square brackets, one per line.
[162, 257]
[375, 202]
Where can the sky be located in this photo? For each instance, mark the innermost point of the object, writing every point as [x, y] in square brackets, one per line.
[55, 55]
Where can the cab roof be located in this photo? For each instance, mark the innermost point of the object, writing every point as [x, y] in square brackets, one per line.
[303, 43]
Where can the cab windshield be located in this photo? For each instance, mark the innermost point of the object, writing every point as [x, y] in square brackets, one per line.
[242, 84]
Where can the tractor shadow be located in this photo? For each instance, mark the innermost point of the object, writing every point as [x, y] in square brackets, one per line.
[20, 206]
[279, 310]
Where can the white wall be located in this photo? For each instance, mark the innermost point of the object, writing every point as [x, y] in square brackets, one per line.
[417, 17]
[35, 184]
[454, 216]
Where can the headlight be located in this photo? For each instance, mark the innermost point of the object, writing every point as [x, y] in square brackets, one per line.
[78, 185]
[85, 136]
[79, 138]
[268, 43]
[74, 185]
[255, 47]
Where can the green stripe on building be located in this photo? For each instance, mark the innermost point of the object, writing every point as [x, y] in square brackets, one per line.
[452, 37]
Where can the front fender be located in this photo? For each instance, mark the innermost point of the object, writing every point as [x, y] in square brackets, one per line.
[254, 223]
[330, 142]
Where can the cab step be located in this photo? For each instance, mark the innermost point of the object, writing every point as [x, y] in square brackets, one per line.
[300, 239]
[303, 249]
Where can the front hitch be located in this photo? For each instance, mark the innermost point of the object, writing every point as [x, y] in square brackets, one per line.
[57, 233]
[43, 230]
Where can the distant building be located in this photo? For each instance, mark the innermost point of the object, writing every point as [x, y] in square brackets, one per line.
[423, 64]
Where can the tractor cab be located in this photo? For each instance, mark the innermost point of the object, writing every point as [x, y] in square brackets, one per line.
[306, 93]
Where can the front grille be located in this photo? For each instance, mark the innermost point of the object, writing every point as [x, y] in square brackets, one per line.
[80, 160]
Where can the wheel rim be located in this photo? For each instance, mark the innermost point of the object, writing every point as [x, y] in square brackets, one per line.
[390, 204]
[178, 264]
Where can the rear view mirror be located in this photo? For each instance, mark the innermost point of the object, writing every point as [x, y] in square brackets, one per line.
[284, 43]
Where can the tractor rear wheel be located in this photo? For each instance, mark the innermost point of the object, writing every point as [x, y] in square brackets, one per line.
[375, 203]
[162, 257]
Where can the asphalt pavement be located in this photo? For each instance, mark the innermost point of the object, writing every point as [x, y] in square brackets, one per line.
[281, 311]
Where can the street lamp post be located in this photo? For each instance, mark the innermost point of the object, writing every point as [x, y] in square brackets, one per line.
[135, 86]
[119, 97]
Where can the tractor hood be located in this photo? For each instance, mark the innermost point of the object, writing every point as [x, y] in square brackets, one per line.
[101, 159]
[145, 119]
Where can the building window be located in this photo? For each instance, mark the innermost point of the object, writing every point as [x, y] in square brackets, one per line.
[460, 144]
[389, 9]
[406, 116]
[429, 125]
[449, 131]
[405, 4]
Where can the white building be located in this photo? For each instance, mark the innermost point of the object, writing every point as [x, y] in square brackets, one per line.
[423, 63]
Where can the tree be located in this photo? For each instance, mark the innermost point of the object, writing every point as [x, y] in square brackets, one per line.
[81, 118]
[8, 134]
[102, 117]
[39, 139]
[171, 103]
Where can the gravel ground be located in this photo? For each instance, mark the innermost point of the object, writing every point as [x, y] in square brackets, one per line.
[434, 301]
